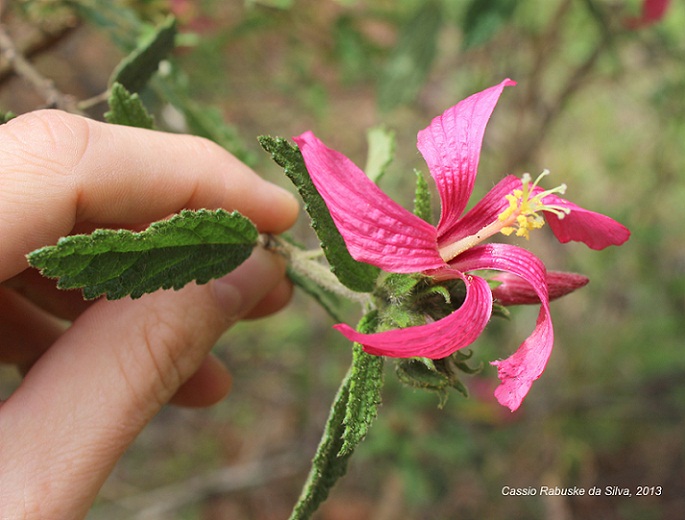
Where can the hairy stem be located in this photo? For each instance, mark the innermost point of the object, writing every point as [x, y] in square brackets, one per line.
[305, 263]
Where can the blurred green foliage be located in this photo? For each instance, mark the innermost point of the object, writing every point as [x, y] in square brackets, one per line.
[601, 106]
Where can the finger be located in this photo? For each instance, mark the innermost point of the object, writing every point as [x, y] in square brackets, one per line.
[43, 292]
[26, 331]
[212, 381]
[29, 328]
[88, 397]
[209, 385]
[68, 305]
[60, 169]
[274, 301]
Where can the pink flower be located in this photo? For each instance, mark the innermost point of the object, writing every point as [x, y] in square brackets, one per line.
[379, 231]
[652, 12]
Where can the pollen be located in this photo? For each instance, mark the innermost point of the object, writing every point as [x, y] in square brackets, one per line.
[522, 215]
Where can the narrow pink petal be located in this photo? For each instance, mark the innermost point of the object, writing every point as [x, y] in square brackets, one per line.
[519, 370]
[484, 212]
[451, 146]
[375, 228]
[524, 366]
[595, 230]
[516, 291]
[438, 339]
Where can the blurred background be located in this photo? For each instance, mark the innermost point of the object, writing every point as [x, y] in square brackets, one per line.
[600, 102]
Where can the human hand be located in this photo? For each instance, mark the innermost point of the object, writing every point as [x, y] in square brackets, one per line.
[91, 388]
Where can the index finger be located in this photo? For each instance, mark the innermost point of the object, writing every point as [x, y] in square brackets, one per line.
[59, 169]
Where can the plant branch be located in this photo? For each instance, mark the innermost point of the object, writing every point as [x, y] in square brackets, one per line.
[305, 263]
[25, 69]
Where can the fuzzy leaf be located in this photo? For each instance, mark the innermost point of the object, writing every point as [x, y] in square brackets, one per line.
[422, 199]
[127, 109]
[348, 422]
[381, 152]
[135, 70]
[192, 246]
[366, 382]
[328, 465]
[355, 275]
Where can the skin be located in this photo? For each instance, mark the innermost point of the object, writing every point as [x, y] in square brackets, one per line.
[92, 385]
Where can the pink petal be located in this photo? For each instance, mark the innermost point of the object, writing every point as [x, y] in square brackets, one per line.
[595, 230]
[519, 370]
[484, 212]
[375, 228]
[438, 339]
[516, 291]
[451, 146]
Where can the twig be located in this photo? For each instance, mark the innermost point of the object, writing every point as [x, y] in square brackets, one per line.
[40, 42]
[24, 68]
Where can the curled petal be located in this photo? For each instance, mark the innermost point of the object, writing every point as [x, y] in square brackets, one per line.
[375, 228]
[516, 291]
[524, 366]
[451, 146]
[595, 230]
[519, 370]
[438, 339]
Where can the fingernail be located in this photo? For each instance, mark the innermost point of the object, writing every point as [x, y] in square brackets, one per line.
[239, 291]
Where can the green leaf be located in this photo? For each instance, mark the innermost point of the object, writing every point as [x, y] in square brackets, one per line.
[353, 410]
[381, 152]
[328, 464]
[127, 109]
[192, 246]
[366, 383]
[483, 18]
[410, 62]
[135, 70]
[355, 275]
[422, 199]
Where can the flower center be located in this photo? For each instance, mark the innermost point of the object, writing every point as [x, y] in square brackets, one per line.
[521, 216]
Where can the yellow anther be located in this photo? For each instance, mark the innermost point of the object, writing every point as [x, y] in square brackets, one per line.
[522, 214]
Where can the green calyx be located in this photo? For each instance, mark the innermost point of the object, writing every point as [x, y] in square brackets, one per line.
[437, 375]
[406, 300]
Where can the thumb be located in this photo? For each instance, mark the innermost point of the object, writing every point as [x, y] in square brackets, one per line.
[88, 397]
